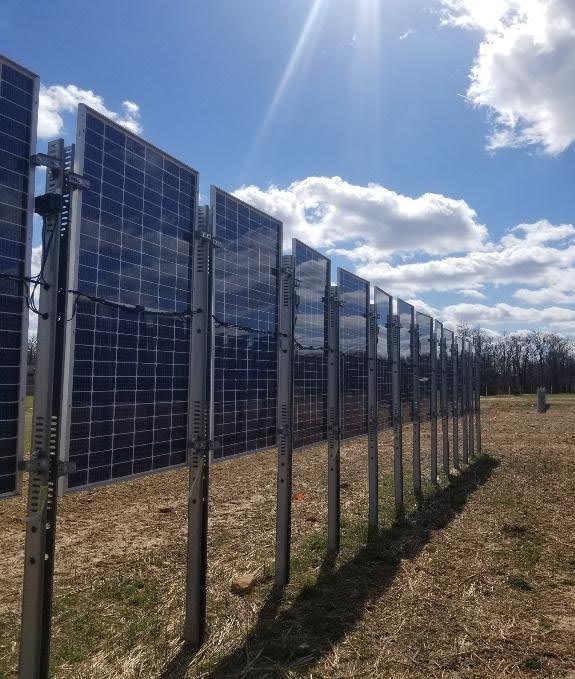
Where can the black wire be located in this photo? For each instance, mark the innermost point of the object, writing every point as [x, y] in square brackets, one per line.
[226, 324]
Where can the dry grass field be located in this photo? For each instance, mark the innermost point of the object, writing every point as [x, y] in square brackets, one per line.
[478, 580]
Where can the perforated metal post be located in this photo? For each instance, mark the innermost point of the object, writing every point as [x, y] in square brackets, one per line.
[464, 404]
[44, 465]
[397, 420]
[416, 410]
[333, 423]
[444, 404]
[478, 397]
[199, 434]
[455, 404]
[433, 406]
[373, 468]
[285, 422]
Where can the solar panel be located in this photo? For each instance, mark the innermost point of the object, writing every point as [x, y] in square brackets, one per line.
[438, 330]
[18, 116]
[126, 390]
[246, 298]
[384, 395]
[406, 320]
[448, 334]
[353, 337]
[424, 325]
[312, 276]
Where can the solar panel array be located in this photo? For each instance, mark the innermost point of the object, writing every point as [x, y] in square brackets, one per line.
[353, 337]
[246, 298]
[424, 328]
[128, 383]
[384, 395]
[18, 114]
[406, 320]
[312, 276]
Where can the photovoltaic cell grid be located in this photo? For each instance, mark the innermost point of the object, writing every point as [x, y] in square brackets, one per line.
[129, 391]
[312, 276]
[438, 330]
[353, 335]
[448, 334]
[406, 320]
[384, 397]
[246, 289]
[460, 371]
[18, 114]
[424, 325]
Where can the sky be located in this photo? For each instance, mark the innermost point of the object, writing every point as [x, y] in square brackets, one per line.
[427, 145]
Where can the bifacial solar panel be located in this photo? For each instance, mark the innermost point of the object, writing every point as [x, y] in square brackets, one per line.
[353, 338]
[448, 334]
[407, 321]
[18, 119]
[246, 298]
[312, 280]
[460, 373]
[438, 330]
[126, 392]
[424, 328]
[384, 396]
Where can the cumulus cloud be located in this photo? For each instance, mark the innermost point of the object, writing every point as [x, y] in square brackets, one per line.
[328, 211]
[524, 69]
[506, 315]
[475, 294]
[56, 100]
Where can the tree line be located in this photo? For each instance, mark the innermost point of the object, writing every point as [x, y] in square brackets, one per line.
[518, 363]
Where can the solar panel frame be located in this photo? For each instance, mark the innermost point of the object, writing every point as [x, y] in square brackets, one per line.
[424, 326]
[406, 315]
[310, 366]
[353, 293]
[147, 172]
[384, 309]
[261, 380]
[19, 96]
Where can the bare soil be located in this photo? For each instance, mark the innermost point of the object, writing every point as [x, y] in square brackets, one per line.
[478, 579]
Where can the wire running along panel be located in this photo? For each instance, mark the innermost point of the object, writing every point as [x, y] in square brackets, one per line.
[425, 327]
[18, 116]
[384, 394]
[406, 320]
[353, 342]
[312, 279]
[129, 371]
[246, 302]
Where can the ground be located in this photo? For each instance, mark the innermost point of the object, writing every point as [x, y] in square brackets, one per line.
[477, 581]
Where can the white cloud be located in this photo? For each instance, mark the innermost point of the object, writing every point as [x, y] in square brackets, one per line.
[524, 72]
[424, 307]
[58, 99]
[328, 211]
[506, 315]
[471, 292]
[406, 35]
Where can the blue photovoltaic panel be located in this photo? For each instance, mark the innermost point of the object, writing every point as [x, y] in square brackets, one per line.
[406, 320]
[353, 293]
[384, 396]
[18, 116]
[246, 294]
[448, 334]
[312, 277]
[438, 330]
[424, 326]
[128, 382]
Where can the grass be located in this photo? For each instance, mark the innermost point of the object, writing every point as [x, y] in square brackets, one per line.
[476, 580]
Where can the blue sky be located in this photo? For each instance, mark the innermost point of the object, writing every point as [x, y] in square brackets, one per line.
[450, 123]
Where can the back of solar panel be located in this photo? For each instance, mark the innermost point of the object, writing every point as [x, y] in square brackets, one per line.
[125, 404]
[383, 309]
[424, 330]
[312, 281]
[19, 91]
[406, 319]
[246, 304]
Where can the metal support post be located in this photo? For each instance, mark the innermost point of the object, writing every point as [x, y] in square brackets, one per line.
[333, 423]
[199, 435]
[464, 403]
[285, 422]
[416, 453]
[455, 405]
[372, 428]
[397, 420]
[433, 406]
[478, 398]
[444, 405]
[44, 466]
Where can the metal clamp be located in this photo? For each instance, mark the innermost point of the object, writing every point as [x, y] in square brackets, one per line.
[205, 235]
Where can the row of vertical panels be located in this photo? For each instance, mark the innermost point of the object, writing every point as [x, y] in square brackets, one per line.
[18, 118]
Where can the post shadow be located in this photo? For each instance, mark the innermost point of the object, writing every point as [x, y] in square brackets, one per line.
[324, 613]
